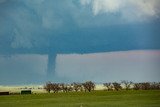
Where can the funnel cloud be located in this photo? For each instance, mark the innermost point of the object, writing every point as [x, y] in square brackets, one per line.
[53, 27]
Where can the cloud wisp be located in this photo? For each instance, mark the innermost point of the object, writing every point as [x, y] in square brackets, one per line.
[135, 10]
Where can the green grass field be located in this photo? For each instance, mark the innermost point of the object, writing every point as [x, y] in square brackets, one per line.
[82, 99]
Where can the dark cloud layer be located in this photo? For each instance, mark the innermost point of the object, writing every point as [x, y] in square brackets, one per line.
[40, 26]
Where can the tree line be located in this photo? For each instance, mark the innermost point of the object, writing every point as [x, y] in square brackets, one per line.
[89, 86]
[56, 87]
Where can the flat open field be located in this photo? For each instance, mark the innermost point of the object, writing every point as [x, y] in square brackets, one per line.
[81, 99]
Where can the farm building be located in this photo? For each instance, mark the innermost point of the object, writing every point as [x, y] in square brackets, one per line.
[26, 91]
[4, 93]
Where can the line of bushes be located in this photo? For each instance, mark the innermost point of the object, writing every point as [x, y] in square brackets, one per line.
[90, 86]
[56, 87]
[128, 85]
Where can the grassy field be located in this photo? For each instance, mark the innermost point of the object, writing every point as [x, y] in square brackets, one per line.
[82, 99]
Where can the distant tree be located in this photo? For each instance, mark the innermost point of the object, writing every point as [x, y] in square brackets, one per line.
[145, 86]
[142, 86]
[62, 87]
[158, 86]
[48, 87]
[108, 86]
[155, 86]
[77, 86]
[55, 87]
[69, 88]
[136, 86]
[88, 86]
[127, 84]
[117, 86]
[65, 87]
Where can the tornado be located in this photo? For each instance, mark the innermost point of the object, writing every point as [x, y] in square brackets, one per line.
[51, 66]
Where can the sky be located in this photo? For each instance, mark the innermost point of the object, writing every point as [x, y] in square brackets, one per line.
[78, 40]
